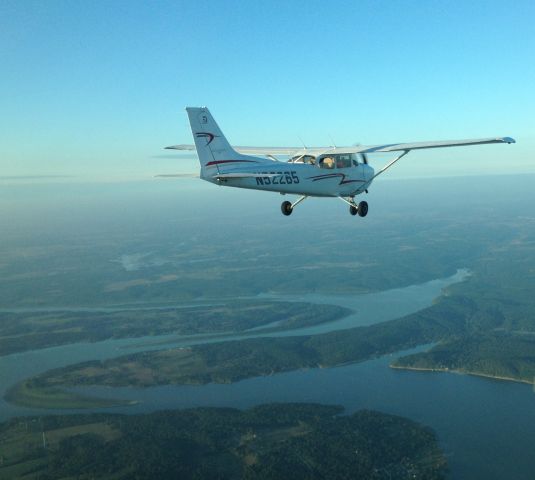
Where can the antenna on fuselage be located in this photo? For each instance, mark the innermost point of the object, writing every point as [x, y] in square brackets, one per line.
[362, 155]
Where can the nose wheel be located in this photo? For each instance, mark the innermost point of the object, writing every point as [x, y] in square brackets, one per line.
[361, 209]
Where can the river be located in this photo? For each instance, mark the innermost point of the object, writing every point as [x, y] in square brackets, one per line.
[486, 427]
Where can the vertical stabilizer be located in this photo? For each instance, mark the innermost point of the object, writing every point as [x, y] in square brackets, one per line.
[213, 149]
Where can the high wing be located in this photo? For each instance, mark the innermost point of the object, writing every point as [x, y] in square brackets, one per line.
[391, 147]
[398, 147]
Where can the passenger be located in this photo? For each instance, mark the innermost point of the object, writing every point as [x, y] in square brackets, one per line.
[327, 162]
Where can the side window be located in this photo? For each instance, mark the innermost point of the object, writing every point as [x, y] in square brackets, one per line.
[343, 161]
[309, 159]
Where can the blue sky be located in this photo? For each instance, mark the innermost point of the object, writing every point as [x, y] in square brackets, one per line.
[98, 88]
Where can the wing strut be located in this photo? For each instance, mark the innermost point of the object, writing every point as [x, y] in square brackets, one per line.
[387, 166]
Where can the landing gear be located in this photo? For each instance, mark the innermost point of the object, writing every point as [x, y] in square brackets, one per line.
[286, 208]
[362, 209]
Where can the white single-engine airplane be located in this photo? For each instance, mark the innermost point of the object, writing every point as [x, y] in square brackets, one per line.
[341, 172]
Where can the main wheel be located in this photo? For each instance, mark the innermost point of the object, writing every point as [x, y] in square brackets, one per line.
[363, 209]
[286, 208]
[353, 210]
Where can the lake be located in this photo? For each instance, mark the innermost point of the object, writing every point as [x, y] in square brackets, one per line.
[486, 427]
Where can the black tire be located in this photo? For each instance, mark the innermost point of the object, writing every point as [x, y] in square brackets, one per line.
[363, 209]
[286, 208]
[353, 210]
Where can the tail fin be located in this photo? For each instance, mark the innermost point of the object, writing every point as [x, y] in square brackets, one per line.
[213, 148]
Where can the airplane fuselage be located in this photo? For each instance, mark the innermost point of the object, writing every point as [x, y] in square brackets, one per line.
[289, 177]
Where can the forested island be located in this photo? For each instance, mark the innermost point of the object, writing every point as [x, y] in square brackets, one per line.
[231, 361]
[291, 441]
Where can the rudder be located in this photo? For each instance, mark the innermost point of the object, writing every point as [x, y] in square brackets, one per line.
[212, 147]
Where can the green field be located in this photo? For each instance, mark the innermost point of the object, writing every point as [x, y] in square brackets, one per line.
[25, 450]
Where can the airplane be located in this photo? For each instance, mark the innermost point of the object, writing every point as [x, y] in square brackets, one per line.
[342, 172]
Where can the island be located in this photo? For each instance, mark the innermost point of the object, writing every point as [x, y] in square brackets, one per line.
[30, 330]
[230, 361]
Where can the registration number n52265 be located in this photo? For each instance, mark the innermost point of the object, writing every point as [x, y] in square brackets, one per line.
[278, 178]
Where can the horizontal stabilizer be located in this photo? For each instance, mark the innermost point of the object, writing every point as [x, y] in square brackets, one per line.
[269, 150]
[249, 150]
[177, 175]
[181, 147]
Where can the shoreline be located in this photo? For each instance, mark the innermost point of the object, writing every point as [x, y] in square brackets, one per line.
[53, 398]
[463, 372]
